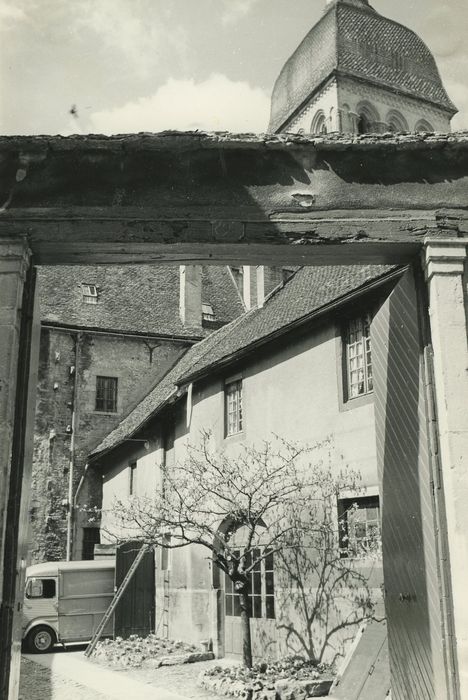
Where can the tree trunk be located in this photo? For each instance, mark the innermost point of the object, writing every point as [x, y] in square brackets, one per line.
[245, 623]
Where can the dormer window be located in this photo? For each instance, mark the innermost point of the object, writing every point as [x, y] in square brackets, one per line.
[89, 293]
[208, 313]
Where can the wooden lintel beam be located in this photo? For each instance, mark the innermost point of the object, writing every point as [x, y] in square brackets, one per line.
[225, 254]
[139, 235]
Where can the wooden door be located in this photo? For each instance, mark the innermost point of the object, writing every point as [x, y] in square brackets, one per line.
[410, 544]
[135, 612]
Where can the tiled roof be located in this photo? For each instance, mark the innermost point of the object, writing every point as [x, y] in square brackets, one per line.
[309, 290]
[132, 298]
[353, 39]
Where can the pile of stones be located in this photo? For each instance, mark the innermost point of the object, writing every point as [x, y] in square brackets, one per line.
[291, 679]
[151, 651]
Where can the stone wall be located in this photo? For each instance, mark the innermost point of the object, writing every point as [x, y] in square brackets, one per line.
[137, 363]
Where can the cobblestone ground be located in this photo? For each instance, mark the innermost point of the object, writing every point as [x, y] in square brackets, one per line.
[38, 683]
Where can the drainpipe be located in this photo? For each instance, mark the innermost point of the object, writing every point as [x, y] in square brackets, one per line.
[71, 469]
[79, 487]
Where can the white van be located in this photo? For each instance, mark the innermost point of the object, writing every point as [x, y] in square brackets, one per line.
[65, 601]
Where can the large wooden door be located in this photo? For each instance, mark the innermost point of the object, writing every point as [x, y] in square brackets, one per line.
[411, 550]
[135, 613]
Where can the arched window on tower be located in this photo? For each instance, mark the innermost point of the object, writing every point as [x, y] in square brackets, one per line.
[319, 123]
[396, 122]
[368, 118]
[424, 126]
[364, 125]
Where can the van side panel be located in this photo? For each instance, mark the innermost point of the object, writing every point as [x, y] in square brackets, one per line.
[84, 597]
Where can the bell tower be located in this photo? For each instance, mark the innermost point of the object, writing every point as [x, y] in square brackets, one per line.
[358, 72]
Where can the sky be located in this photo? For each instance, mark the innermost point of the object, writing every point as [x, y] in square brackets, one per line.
[123, 66]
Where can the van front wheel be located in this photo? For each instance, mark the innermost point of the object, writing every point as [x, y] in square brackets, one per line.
[40, 640]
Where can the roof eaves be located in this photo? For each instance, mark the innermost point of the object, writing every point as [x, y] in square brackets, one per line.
[452, 110]
[98, 454]
[316, 313]
[58, 325]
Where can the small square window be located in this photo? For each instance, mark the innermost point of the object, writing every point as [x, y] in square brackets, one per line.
[208, 313]
[359, 378]
[89, 293]
[106, 394]
[359, 526]
[233, 407]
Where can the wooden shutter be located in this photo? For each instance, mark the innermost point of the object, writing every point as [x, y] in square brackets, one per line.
[410, 546]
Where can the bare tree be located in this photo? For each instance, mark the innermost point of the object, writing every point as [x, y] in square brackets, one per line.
[277, 495]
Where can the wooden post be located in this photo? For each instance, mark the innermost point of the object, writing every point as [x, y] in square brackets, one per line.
[16, 413]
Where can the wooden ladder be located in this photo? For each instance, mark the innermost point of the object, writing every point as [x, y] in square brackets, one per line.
[118, 594]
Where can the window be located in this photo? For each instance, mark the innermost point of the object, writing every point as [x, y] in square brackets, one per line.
[208, 313]
[106, 394]
[424, 127]
[233, 407]
[396, 122]
[286, 273]
[319, 123]
[364, 125]
[358, 357]
[359, 526]
[41, 588]
[91, 536]
[133, 479]
[261, 588]
[90, 293]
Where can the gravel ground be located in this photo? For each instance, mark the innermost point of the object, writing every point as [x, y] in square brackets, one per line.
[180, 679]
[38, 683]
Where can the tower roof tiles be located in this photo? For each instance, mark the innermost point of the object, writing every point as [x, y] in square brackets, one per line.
[352, 39]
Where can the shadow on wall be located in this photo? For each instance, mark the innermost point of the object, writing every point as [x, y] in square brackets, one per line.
[321, 598]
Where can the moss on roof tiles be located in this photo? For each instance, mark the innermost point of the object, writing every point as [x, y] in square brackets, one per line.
[132, 298]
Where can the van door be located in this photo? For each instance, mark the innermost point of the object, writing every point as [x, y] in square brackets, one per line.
[84, 597]
[40, 601]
